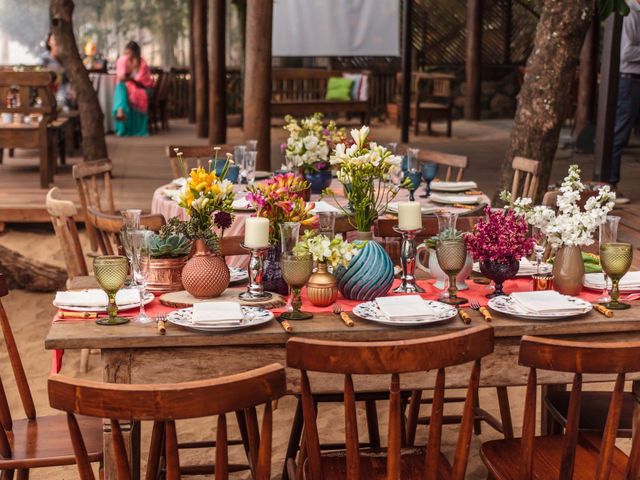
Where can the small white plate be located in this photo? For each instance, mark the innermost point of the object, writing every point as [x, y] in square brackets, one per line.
[451, 199]
[253, 316]
[238, 274]
[370, 311]
[545, 269]
[505, 304]
[148, 298]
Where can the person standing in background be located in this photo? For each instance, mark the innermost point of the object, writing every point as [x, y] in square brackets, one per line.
[628, 106]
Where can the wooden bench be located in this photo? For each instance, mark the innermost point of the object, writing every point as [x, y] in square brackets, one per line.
[302, 91]
[44, 131]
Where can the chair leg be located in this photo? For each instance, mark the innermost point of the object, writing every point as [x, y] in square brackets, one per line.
[412, 417]
[11, 152]
[84, 360]
[6, 475]
[1, 155]
[23, 474]
[155, 451]
[505, 412]
[294, 439]
[449, 126]
[416, 125]
[429, 129]
[477, 423]
[372, 423]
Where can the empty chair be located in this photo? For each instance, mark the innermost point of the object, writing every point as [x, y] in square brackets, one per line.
[36, 441]
[526, 177]
[453, 163]
[194, 156]
[163, 404]
[392, 359]
[573, 454]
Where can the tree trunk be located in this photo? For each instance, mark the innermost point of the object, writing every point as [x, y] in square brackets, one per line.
[473, 64]
[550, 72]
[588, 79]
[192, 80]
[201, 67]
[217, 74]
[32, 275]
[94, 146]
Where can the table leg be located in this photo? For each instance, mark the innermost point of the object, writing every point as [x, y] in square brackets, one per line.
[548, 426]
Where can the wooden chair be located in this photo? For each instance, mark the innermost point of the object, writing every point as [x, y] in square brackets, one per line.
[36, 441]
[388, 358]
[93, 180]
[459, 163]
[194, 156]
[572, 454]
[530, 170]
[166, 403]
[108, 228]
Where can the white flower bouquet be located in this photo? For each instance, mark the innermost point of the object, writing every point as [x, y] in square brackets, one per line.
[334, 252]
[569, 226]
[310, 142]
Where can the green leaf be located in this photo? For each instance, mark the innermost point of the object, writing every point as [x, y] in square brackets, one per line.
[605, 7]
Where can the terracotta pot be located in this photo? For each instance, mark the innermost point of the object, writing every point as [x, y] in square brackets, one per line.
[165, 274]
[322, 287]
[568, 271]
[205, 275]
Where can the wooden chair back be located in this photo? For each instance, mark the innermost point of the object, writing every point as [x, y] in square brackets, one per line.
[20, 377]
[578, 358]
[384, 227]
[390, 358]
[194, 156]
[63, 213]
[529, 171]
[108, 228]
[455, 164]
[26, 87]
[163, 405]
[301, 84]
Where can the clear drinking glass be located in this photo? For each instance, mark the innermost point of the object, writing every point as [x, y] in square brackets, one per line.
[238, 155]
[608, 234]
[413, 172]
[289, 234]
[140, 241]
[327, 224]
[252, 145]
[539, 247]
[250, 166]
[392, 147]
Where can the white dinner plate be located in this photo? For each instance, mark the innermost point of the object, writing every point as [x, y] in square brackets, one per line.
[589, 282]
[453, 186]
[148, 298]
[451, 199]
[238, 274]
[253, 316]
[505, 304]
[425, 209]
[370, 311]
[545, 269]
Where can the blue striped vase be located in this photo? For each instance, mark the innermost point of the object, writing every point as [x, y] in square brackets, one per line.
[369, 274]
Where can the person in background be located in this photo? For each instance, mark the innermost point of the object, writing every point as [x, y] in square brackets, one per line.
[131, 98]
[628, 107]
[65, 95]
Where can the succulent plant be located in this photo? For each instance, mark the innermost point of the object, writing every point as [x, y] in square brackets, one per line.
[170, 246]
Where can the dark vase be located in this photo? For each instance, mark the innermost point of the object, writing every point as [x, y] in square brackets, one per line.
[319, 181]
[499, 271]
[272, 273]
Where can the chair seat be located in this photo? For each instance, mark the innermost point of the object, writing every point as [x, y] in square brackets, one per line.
[433, 106]
[502, 458]
[373, 465]
[46, 442]
[594, 407]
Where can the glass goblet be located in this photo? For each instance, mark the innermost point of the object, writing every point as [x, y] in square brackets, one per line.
[414, 182]
[616, 261]
[608, 233]
[140, 241]
[452, 255]
[429, 172]
[296, 271]
[111, 272]
[539, 247]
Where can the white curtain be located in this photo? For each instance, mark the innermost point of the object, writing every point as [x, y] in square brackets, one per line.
[304, 28]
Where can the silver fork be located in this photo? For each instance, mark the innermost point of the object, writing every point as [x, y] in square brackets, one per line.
[161, 321]
[486, 314]
[344, 316]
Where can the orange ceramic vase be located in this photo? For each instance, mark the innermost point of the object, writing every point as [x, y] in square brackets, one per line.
[205, 275]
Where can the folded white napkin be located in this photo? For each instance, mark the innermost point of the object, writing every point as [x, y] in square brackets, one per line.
[405, 308]
[321, 206]
[241, 204]
[630, 281]
[95, 298]
[547, 301]
[217, 313]
[448, 198]
[453, 186]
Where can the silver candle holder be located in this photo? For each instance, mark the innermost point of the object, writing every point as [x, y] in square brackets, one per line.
[255, 290]
[408, 254]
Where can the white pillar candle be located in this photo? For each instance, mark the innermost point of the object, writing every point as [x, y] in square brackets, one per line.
[409, 216]
[256, 232]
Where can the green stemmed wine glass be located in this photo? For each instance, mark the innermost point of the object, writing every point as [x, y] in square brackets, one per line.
[296, 272]
[111, 272]
[615, 259]
[452, 255]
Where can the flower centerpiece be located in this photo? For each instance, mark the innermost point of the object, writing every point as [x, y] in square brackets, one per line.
[308, 147]
[280, 200]
[207, 198]
[569, 227]
[322, 286]
[498, 242]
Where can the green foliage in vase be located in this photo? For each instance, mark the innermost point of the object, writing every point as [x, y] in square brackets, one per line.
[607, 7]
[170, 246]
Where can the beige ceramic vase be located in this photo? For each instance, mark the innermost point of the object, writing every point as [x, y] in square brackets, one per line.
[568, 271]
[322, 287]
[205, 275]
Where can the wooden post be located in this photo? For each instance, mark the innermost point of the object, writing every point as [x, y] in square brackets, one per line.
[607, 96]
[192, 72]
[201, 65]
[257, 80]
[474, 59]
[588, 77]
[507, 26]
[217, 74]
[406, 71]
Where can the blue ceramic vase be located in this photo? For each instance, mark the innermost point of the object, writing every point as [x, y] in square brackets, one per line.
[319, 181]
[369, 275]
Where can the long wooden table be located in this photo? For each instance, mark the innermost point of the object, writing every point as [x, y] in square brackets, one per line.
[134, 353]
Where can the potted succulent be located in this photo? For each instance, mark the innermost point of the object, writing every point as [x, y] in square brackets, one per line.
[169, 254]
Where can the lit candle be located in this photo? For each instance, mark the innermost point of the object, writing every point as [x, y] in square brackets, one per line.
[409, 216]
[256, 232]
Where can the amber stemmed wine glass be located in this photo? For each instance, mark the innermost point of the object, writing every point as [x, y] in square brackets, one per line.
[296, 271]
[111, 272]
[452, 255]
[615, 259]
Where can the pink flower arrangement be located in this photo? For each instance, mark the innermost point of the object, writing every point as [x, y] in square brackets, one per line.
[280, 200]
[502, 235]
